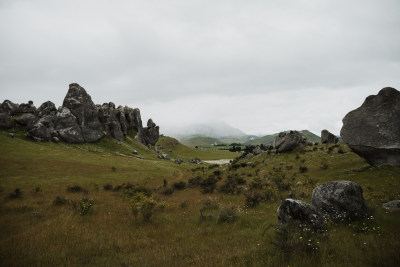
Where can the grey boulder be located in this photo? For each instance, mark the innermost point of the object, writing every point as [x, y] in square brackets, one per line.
[393, 205]
[285, 142]
[26, 108]
[328, 138]
[108, 118]
[46, 108]
[151, 133]
[79, 102]
[9, 107]
[41, 130]
[163, 156]
[178, 161]
[5, 121]
[340, 200]
[67, 127]
[27, 120]
[257, 150]
[373, 130]
[297, 211]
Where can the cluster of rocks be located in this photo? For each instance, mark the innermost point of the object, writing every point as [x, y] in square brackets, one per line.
[328, 137]
[78, 120]
[373, 130]
[334, 200]
[287, 141]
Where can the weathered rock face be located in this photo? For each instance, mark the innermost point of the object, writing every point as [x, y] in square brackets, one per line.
[292, 211]
[5, 121]
[373, 130]
[257, 150]
[107, 117]
[285, 142]
[9, 107]
[393, 205]
[46, 108]
[328, 138]
[41, 130]
[26, 108]
[82, 107]
[27, 120]
[340, 199]
[151, 133]
[67, 127]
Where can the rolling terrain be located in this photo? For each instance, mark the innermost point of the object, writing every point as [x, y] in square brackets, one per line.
[229, 230]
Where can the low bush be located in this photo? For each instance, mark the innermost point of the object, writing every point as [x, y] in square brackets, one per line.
[179, 185]
[147, 206]
[196, 181]
[227, 215]
[230, 186]
[253, 199]
[208, 185]
[59, 200]
[108, 187]
[303, 169]
[74, 189]
[16, 194]
[83, 206]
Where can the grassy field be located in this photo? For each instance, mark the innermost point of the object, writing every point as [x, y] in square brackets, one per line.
[35, 232]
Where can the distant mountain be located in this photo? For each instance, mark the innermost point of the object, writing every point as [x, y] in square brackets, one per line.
[200, 140]
[212, 129]
[269, 139]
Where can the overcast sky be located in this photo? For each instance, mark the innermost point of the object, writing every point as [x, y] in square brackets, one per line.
[260, 66]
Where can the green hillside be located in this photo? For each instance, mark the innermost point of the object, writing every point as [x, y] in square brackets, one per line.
[269, 139]
[237, 226]
[203, 141]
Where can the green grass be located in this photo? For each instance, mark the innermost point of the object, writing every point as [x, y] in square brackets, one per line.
[34, 232]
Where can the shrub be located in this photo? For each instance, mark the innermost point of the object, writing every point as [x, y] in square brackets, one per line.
[210, 204]
[256, 183]
[131, 190]
[179, 185]
[16, 194]
[217, 172]
[303, 169]
[269, 194]
[196, 181]
[37, 190]
[230, 186]
[253, 199]
[108, 187]
[228, 215]
[58, 201]
[167, 191]
[184, 204]
[74, 189]
[208, 185]
[281, 184]
[85, 206]
[324, 166]
[113, 168]
[341, 151]
[147, 206]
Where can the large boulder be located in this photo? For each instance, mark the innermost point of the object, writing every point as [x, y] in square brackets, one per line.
[5, 121]
[393, 205]
[26, 108]
[27, 120]
[328, 138]
[340, 199]
[46, 108]
[111, 125]
[79, 102]
[297, 211]
[151, 133]
[257, 150]
[373, 130]
[285, 142]
[9, 107]
[66, 125]
[42, 129]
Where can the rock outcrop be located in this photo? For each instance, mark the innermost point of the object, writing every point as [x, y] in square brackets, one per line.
[47, 108]
[393, 205]
[328, 138]
[298, 211]
[340, 199]
[257, 150]
[5, 121]
[79, 120]
[373, 130]
[27, 120]
[82, 107]
[285, 142]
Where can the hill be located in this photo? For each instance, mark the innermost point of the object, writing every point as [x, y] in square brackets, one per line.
[269, 139]
[204, 141]
[211, 129]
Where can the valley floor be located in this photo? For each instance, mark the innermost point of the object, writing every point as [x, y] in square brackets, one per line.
[36, 229]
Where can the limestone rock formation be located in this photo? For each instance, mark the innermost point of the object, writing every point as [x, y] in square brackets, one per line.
[393, 205]
[257, 150]
[41, 130]
[340, 199]
[373, 130]
[82, 107]
[5, 121]
[328, 138]
[285, 142]
[150, 133]
[46, 108]
[26, 108]
[9, 107]
[27, 120]
[108, 118]
[292, 211]
[67, 128]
